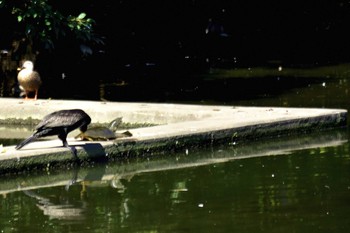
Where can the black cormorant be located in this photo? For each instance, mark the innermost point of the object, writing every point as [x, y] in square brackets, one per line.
[28, 79]
[60, 123]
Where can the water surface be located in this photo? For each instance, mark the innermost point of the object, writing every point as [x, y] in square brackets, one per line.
[292, 184]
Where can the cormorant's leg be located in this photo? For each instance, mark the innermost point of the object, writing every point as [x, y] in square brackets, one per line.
[65, 144]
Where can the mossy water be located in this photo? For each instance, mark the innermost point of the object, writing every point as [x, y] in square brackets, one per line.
[288, 184]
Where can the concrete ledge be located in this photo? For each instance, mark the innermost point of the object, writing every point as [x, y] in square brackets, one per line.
[182, 127]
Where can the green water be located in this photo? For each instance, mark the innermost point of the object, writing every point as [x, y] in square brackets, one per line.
[289, 184]
[284, 185]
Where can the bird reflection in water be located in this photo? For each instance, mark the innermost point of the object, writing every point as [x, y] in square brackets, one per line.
[57, 211]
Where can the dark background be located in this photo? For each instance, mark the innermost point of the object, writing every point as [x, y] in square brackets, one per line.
[163, 42]
[253, 31]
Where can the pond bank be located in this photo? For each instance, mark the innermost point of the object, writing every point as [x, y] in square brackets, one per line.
[179, 127]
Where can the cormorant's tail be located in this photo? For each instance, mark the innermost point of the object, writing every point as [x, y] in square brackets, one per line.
[26, 141]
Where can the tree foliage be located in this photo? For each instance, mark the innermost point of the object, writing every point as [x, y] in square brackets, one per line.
[43, 26]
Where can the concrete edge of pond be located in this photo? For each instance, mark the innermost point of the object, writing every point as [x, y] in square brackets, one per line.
[181, 127]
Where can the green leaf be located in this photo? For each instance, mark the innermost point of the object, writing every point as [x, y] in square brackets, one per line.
[82, 16]
[19, 18]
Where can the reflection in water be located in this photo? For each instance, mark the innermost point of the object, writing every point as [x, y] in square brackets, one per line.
[56, 211]
[281, 185]
[176, 192]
